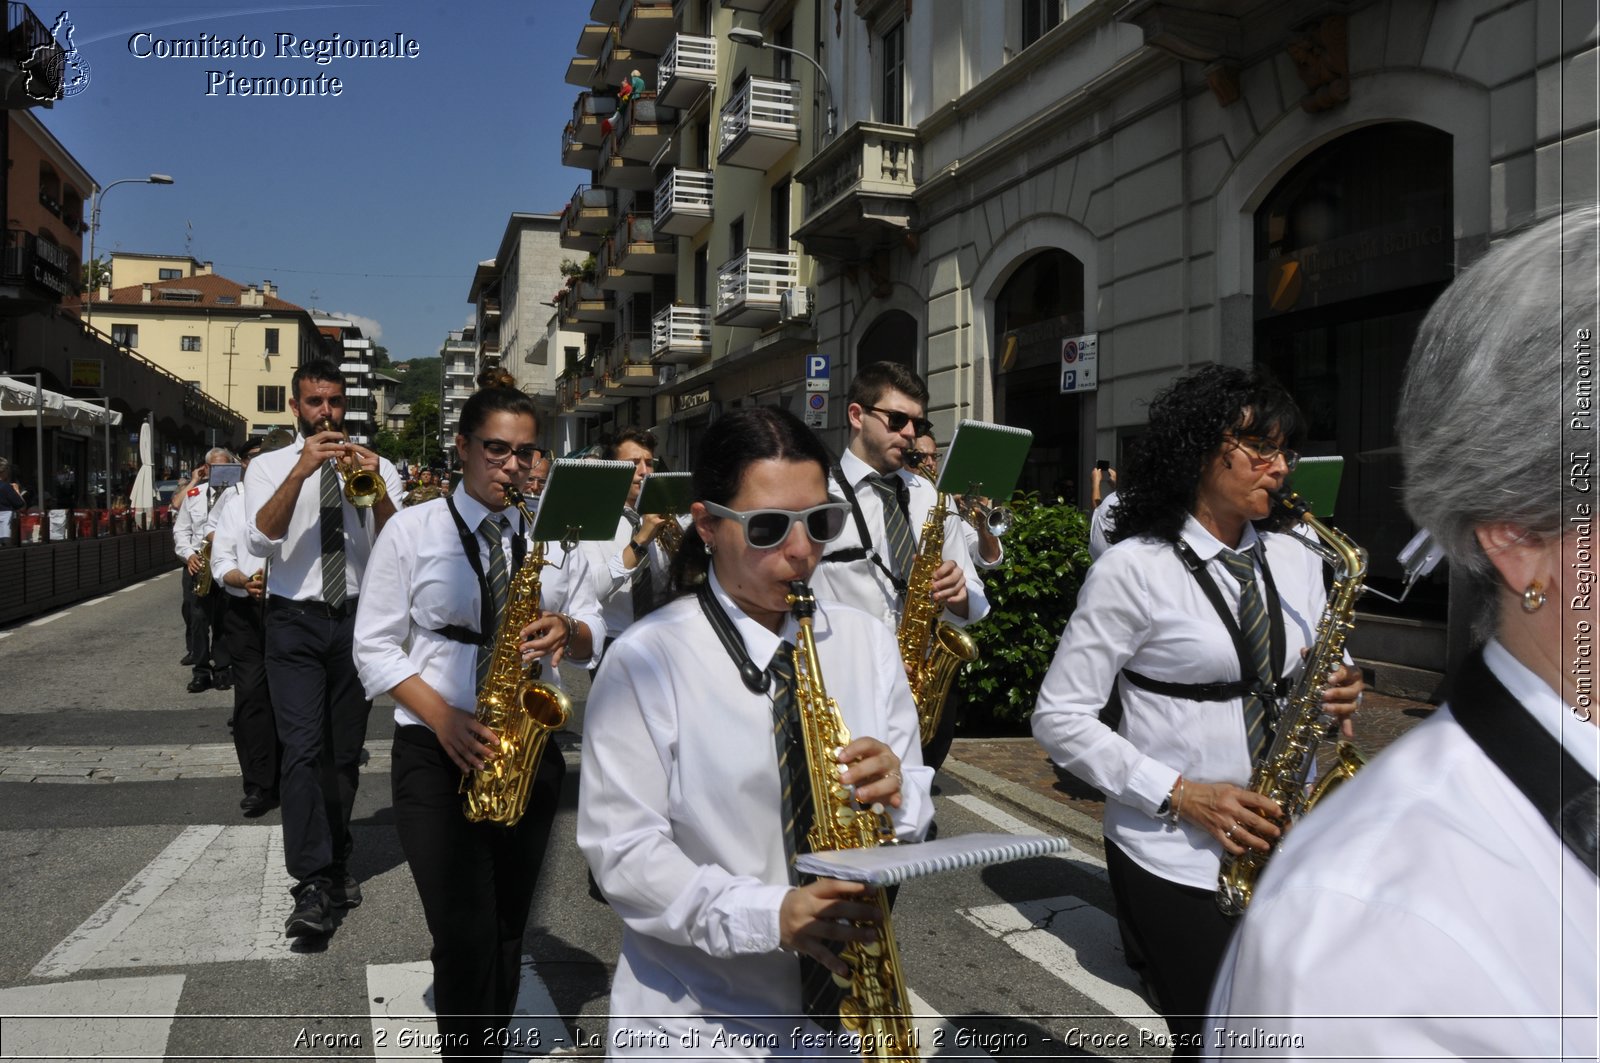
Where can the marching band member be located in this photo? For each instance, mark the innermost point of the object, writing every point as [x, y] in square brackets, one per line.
[631, 569]
[1195, 535]
[680, 812]
[424, 636]
[984, 547]
[208, 653]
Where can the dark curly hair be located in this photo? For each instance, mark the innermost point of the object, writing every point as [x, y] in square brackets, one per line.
[1188, 420]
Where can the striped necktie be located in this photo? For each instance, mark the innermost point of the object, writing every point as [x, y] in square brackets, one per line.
[491, 528]
[1257, 639]
[819, 993]
[896, 521]
[333, 560]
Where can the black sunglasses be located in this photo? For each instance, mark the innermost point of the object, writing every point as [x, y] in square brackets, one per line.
[766, 528]
[896, 421]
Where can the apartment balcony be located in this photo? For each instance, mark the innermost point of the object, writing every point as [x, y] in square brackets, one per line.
[758, 125]
[605, 10]
[21, 61]
[585, 306]
[490, 308]
[622, 377]
[567, 393]
[592, 39]
[683, 202]
[681, 334]
[615, 170]
[688, 68]
[458, 394]
[580, 140]
[647, 25]
[584, 72]
[639, 252]
[859, 192]
[590, 398]
[618, 61]
[643, 126]
[749, 287]
[586, 217]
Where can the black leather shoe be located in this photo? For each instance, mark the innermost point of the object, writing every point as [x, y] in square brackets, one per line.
[199, 684]
[222, 684]
[257, 803]
[187, 660]
[344, 891]
[310, 917]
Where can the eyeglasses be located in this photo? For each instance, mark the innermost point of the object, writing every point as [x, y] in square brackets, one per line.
[498, 450]
[896, 421]
[645, 463]
[766, 528]
[1265, 452]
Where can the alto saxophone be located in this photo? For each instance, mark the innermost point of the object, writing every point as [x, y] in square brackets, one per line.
[202, 579]
[513, 703]
[931, 648]
[875, 1007]
[1283, 769]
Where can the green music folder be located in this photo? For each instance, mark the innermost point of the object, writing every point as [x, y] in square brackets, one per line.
[1316, 481]
[984, 460]
[666, 492]
[582, 500]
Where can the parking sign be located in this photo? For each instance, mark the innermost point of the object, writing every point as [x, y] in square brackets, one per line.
[1079, 361]
[817, 372]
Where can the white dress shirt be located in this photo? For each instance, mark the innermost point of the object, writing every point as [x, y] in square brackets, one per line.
[1426, 900]
[296, 570]
[230, 540]
[862, 583]
[679, 814]
[1100, 526]
[189, 526]
[1139, 607]
[421, 581]
[613, 579]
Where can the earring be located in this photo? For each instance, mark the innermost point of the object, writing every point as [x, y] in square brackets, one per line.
[711, 547]
[1533, 597]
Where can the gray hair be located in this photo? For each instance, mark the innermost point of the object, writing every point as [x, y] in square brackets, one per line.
[5, 467]
[226, 458]
[1479, 416]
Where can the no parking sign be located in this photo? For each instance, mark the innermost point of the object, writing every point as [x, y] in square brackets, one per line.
[1079, 361]
[816, 409]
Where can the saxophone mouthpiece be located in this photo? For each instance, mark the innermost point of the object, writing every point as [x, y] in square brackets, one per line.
[1290, 501]
[801, 601]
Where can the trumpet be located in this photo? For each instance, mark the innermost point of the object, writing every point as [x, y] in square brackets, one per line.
[984, 516]
[362, 487]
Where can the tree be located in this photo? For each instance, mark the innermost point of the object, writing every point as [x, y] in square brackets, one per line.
[95, 273]
[419, 442]
[380, 356]
[387, 443]
[423, 378]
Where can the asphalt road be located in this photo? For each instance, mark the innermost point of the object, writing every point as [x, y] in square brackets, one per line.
[145, 915]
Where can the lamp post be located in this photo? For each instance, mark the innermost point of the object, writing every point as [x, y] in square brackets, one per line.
[233, 332]
[756, 39]
[94, 224]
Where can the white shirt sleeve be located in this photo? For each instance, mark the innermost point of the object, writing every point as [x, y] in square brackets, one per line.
[955, 549]
[183, 529]
[259, 487]
[578, 597]
[383, 615]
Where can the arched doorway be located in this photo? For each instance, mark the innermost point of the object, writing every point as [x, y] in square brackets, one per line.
[1351, 248]
[1041, 305]
[890, 338]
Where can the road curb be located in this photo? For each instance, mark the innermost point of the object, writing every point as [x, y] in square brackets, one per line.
[1083, 830]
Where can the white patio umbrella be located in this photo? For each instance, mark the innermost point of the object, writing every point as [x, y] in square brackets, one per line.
[142, 498]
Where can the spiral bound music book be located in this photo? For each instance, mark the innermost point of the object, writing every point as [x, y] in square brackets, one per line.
[887, 865]
[582, 500]
[666, 492]
[984, 460]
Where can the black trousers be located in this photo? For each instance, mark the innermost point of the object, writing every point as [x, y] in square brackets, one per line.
[476, 881]
[321, 717]
[255, 734]
[204, 618]
[1181, 936]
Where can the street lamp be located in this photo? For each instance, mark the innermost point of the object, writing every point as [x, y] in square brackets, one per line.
[755, 39]
[233, 332]
[96, 199]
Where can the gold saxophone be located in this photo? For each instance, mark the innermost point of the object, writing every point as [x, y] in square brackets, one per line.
[513, 703]
[875, 1007]
[931, 648]
[1283, 769]
[202, 579]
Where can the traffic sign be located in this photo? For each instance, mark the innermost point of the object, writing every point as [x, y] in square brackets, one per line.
[817, 409]
[1079, 363]
[817, 372]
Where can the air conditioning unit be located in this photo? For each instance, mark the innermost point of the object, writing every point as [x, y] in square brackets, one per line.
[794, 304]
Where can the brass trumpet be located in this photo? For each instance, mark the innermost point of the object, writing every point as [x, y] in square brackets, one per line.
[994, 518]
[363, 488]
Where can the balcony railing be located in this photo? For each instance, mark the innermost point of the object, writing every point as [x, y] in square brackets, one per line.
[621, 375]
[585, 306]
[646, 24]
[681, 334]
[749, 287]
[618, 61]
[688, 68]
[758, 124]
[643, 126]
[641, 250]
[683, 202]
[586, 216]
[582, 135]
[859, 192]
[47, 70]
[616, 171]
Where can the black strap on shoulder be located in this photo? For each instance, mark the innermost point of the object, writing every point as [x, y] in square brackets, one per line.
[758, 680]
[866, 551]
[1223, 690]
[1564, 794]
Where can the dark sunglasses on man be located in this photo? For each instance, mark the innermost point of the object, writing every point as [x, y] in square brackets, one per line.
[766, 528]
[896, 421]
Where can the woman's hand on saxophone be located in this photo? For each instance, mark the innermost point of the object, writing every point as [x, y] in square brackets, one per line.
[1341, 697]
[822, 911]
[469, 744]
[544, 637]
[950, 587]
[1236, 817]
[873, 769]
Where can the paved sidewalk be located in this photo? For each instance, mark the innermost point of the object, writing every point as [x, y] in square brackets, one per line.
[1017, 770]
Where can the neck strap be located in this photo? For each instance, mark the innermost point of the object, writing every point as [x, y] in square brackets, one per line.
[758, 680]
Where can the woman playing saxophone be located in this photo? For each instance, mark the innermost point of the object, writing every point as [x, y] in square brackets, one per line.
[687, 746]
[425, 633]
[1195, 559]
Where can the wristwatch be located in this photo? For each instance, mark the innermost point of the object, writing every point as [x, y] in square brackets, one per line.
[638, 547]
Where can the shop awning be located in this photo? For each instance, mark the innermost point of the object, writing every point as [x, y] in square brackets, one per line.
[19, 405]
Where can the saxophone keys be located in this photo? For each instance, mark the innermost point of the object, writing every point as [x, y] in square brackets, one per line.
[844, 815]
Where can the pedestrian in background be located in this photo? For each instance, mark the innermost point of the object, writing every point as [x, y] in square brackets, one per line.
[207, 652]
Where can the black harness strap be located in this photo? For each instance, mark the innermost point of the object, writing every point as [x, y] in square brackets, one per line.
[1226, 690]
[758, 680]
[469, 546]
[866, 551]
[1565, 795]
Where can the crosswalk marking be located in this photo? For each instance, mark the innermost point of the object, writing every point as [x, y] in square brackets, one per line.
[403, 1025]
[214, 894]
[1086, 862]
[110, 1018]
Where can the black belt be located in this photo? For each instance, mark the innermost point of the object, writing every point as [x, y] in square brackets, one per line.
[332, 612]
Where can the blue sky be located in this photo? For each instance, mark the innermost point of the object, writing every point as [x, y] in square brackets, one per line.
[378, 203]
